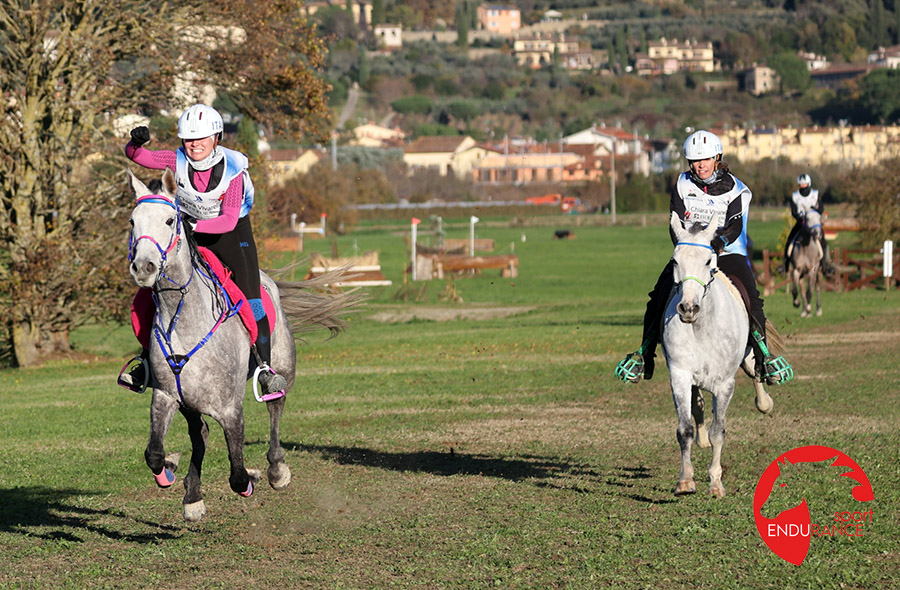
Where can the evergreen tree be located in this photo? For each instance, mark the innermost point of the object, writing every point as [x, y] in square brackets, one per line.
[377, 12]
[462, 24]
[364, 68]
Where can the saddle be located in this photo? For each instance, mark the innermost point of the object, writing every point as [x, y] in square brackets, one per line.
[143, 307]
[739, 291]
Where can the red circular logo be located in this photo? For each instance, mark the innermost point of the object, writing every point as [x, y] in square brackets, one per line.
[788, 534]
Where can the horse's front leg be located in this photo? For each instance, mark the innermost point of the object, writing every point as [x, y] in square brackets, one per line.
[681, 395]
[818, 284]
[721, 399]
[240, 480]
[162, 409]
[795, 286]
[278, 474]
[198, 430]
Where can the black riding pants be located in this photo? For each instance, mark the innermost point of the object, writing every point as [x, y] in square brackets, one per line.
[237, 250]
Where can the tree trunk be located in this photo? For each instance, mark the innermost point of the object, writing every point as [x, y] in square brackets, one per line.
[26, 340]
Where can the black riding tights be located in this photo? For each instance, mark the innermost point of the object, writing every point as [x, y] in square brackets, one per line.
[237, 250]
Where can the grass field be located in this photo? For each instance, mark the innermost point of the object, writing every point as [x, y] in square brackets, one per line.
[494, 449]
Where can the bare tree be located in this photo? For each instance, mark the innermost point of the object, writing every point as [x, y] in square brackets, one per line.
[70, 69]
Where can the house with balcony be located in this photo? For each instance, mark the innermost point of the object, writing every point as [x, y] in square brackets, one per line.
[540, 49]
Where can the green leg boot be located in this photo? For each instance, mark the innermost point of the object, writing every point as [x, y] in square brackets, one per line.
[637, 365]
[775, 370]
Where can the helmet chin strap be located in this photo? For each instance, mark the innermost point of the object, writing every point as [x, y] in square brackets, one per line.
[209, 161]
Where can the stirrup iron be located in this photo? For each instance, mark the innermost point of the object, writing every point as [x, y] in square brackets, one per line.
[128, 369]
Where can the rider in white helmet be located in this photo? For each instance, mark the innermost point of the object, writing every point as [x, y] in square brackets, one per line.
[802, 201]
[215, 192]
[708, 192]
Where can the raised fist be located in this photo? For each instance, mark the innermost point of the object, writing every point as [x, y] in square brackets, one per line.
[140, 136]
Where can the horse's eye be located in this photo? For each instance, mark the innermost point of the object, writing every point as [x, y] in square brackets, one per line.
[170, 221]
[131, 222]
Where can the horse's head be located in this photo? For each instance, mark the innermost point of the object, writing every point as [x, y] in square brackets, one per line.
[695, 264]
[813, 224]
[156, 229]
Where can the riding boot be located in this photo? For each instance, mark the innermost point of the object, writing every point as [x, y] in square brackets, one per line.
[271, 381]
[136, 378]
[774, 370]
[641, 363]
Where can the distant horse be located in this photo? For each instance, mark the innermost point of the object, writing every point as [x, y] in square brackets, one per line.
[200, 353]
[805, 263]
[704, 335]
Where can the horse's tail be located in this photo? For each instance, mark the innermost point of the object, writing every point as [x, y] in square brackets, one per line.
[776, 340]
[310, 305]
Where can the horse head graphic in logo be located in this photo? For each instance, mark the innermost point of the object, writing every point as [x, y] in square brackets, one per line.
[789, 532]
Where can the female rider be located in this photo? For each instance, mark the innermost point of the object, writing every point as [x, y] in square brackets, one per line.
[215, 193]
[709, 193]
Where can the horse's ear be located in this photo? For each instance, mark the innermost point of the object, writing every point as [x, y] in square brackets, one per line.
[168, 181]
[676, 225]
[138, 188]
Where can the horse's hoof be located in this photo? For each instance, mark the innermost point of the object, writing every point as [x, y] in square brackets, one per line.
[164, 478]
[703, 438]
[279, 476]
[764, 404]
[717, 490]
[685, 487]
[172, 460]
[195, 511]
[805, 314]
[796, 303]
[818, 312]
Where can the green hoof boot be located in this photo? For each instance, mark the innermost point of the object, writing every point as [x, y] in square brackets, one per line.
[778, 371]
[631, 370]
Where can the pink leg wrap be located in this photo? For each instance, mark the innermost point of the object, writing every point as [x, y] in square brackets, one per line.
[164, 478]
[249, 491]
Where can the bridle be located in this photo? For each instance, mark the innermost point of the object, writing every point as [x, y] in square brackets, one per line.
[174, 239]
[712, 272]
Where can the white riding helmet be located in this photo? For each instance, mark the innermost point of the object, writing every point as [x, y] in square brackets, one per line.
[701, 145]
[804, 179]
[199, 121]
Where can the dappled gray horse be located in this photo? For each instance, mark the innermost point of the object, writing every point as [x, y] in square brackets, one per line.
[704, 337]
[200, 352]
[805, 260]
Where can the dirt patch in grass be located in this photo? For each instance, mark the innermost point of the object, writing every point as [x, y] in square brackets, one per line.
[447, 314]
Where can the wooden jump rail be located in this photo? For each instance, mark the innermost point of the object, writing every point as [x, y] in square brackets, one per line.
[850, 271]
[438, 265]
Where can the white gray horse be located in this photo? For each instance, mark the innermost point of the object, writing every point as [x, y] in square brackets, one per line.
[805, 258]
[705, 339]
[200, 355]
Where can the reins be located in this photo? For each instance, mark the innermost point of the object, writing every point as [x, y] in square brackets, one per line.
[163, 335]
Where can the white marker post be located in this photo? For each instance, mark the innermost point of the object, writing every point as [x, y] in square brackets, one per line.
[415, 225]
[888, 264]
[472, 221]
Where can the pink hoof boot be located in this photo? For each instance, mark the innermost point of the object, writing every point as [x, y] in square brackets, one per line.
[249, 491]
[164, 478]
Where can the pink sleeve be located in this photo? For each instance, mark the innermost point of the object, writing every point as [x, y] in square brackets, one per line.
[231, 210]
[153, 159]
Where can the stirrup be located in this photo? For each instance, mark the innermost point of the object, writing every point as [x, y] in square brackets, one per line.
[265, 397]
[128, 372]
[631, 369]
[777, 370]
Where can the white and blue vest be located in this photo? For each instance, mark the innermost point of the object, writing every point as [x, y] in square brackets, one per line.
[208, 205]
[704, 208]
[805, 204]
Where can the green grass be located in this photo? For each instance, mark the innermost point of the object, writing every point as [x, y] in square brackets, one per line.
[494, 452]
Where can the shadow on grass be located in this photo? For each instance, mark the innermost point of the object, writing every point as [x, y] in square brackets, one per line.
[541, 471]
[50, 514]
